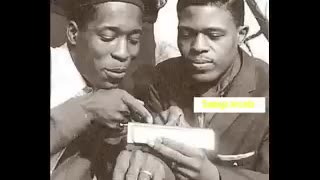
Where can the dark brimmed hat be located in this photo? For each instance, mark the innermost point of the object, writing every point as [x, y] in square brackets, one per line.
[149, 7]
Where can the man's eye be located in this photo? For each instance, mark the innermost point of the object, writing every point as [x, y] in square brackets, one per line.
[215, 36]
[134, 39]
[185, 34]
[107, 39]
[107, 36]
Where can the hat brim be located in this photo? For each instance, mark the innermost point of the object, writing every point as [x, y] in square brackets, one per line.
[150, 14]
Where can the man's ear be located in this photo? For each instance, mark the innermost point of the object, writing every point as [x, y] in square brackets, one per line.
[243, 32]
[72, 32]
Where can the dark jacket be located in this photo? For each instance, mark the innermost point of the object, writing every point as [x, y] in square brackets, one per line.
[237, 133]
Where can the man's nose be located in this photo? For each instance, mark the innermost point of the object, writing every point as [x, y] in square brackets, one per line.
[121, 52]
[199, 45]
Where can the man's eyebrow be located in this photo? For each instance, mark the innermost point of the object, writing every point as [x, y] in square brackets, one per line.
[117, 29]
[185, 28]
[210, 29]
[214, 29]
[136, 31]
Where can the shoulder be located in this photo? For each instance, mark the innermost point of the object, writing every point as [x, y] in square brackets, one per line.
[261, 80]
[170, 69]
[261, 76]
[58, 55]
[58, 60]
[169, 64]
[259, 70]
[262, 69]
[65, 80]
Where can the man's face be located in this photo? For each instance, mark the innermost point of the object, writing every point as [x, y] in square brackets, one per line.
[208, 40]
[105, 48]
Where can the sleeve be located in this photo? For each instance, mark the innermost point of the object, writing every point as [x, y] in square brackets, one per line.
[63, 127]
[74, 168]
[79, 160]
[154, 103]
[262, 167]
[157, 96]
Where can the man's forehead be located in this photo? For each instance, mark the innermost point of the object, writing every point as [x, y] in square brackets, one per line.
[205, 16]
[118, 9]
[119, 15]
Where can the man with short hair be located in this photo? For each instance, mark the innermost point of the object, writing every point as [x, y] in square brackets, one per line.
[256, 17]
[88, 109]
[212, 65]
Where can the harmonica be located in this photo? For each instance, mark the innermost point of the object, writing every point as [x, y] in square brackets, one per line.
[196, 137]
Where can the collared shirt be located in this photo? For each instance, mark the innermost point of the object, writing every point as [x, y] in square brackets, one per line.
[66, 83]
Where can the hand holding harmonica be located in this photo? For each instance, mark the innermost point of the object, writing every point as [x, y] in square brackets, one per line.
[115, 107]
[173, 116]
[187, 162]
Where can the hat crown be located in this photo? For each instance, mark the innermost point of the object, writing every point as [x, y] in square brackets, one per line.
[150, 7]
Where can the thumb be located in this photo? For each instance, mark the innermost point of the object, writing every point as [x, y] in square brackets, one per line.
[175, 113]
[136, 107]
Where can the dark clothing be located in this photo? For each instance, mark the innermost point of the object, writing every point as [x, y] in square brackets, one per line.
[89, 156]
[237, 133]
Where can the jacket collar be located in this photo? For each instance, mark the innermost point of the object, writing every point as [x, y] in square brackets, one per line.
[245, 82]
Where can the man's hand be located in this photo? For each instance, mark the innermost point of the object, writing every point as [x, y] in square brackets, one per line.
[137, 165]
[115, 106]
[173, 116]
[188, 162]
[107, 107]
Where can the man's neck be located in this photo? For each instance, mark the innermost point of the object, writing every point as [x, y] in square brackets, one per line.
[73, 55]
[203, 87]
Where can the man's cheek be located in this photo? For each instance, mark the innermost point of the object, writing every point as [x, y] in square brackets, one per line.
[134, 50]
[100, 49]
[184, 47]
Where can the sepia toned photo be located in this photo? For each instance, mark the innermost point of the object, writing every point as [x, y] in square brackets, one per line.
[159, 90]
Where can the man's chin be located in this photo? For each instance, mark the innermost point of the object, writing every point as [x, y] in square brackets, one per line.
[115, 140]
[108, 85]
[116, 137]
[204, 78]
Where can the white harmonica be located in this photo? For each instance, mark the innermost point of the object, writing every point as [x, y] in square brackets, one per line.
[235, 157]
[195, 137]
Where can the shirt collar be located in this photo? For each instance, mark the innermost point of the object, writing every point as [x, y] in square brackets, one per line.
[79, 80]
[66, 80]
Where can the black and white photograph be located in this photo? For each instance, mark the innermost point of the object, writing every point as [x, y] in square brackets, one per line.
[159, 89]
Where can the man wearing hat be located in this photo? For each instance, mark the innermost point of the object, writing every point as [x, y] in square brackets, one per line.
[212, 65]
[87, 108]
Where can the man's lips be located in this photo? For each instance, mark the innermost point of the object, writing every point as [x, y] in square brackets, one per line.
[200, 64]
[117, 70]
[200, 61]
[117, 73]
